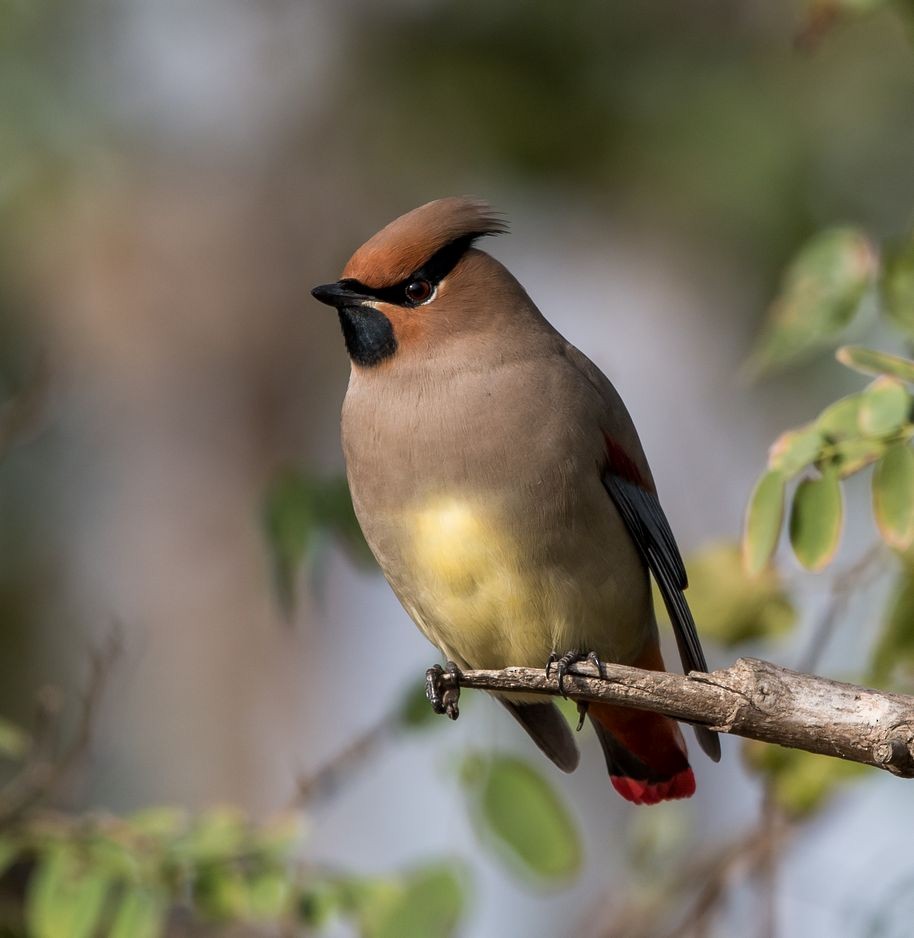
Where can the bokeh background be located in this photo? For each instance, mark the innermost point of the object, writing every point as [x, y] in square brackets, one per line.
[175, 176]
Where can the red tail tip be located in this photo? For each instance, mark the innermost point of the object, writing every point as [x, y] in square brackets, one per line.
[681, 785]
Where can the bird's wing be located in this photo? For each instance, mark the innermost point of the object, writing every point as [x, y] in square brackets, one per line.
[646, 523]
[548, 729]
[627, 479]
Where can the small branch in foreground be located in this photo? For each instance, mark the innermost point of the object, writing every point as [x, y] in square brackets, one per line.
[44, 772]
[751, 698]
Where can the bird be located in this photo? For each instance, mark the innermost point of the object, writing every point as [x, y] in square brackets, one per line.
[502, 487]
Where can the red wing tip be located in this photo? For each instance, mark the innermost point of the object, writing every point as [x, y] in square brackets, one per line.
[681, 785]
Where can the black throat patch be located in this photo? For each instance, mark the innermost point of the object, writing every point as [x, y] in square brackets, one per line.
[368, 334]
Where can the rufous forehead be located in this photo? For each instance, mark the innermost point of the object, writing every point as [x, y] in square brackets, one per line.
[407, 242]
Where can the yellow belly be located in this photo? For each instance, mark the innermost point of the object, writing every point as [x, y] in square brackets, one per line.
[473, 593]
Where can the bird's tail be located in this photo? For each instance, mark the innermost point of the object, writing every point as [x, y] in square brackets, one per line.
[645, 754]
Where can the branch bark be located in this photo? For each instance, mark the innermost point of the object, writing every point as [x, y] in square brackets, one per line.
[751, 698]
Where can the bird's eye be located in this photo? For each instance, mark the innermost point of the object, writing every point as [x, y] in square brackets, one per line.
[418, 291]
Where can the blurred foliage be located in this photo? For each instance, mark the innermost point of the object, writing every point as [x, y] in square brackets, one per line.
[731, 606]
[618, 103]
[299, 512]
[821, 292]
[128, 877]
[873, 426]
[518, 813]
[800, 782]
[892, 663]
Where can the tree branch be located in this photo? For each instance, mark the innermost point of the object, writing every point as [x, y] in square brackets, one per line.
[751, 698]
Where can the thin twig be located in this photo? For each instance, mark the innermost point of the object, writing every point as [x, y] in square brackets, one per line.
[842, 588]
[325, 780]
[44, 772]
[22, 416]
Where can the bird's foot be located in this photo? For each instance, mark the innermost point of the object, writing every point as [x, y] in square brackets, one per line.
[443, 693]
[562, 663]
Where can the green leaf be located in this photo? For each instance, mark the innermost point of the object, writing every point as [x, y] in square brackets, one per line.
[161, 822]
[336, 515]
[275, 841]
[218, 835]
[14, 741]
[893, 496]
[221, 892]
[841, 420]
[269, 895]
[870, 362]
[816, 520]
[519, 814]
[795, 449]
[898, 286]
[9, 850]
[802, 782]
[140, 914]
[297, 509]
[850, 456]
[64, 899]
[884, 408]
[318, 902]
[731, 606]
[894, 652]
[290, 521]
[762, 527]
[429, 905]
[414, 711]
[820, 293]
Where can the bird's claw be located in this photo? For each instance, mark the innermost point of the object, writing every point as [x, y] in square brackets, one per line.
[583, 707]
[443, 694]
[562, 663]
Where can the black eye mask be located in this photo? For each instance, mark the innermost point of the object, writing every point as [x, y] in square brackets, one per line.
[434, 270]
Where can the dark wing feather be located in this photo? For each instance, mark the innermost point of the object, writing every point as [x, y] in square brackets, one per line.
[640, 510]
[548, 729]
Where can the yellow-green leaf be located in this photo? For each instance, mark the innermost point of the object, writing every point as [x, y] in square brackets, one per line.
[762, 527]
[14, 741]
[870, 362]
[428, 905]
[893, 496]
[160, 822]
[898, 286]
[218, 835]
[269, 895]
[840, 421]
[885, 407]
[65, 899]
[820, 293]
[139, 914]
[816, 520]
[795, 449]
[221, 892]
[520, 815]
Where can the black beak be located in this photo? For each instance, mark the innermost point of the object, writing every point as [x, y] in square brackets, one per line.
[335, 294]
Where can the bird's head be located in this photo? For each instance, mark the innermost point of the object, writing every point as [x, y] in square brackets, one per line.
[418, 281]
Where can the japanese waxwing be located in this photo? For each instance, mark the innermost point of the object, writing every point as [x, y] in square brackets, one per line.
[502, 487]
